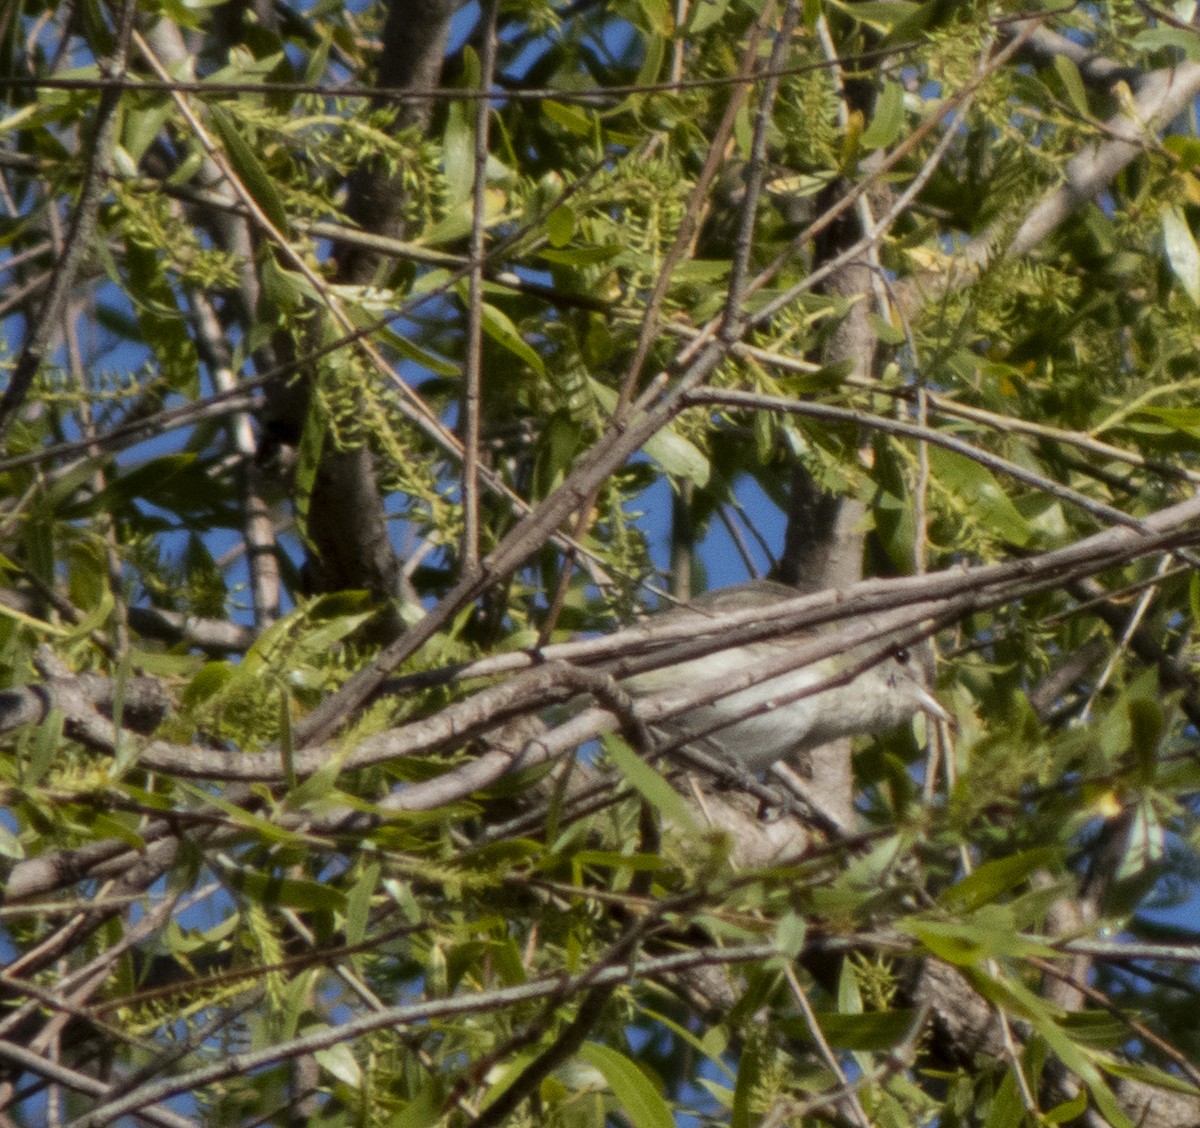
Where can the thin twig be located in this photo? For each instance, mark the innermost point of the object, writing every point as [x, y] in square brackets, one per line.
[756, 168]
[473, 366]
[79, 237]
[734, 398]
[823, 1048]
[482, 1002]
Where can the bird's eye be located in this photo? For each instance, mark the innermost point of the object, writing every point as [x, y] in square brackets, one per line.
[902, 656]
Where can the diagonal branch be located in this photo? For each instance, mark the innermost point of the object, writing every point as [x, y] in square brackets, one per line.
[79, 235]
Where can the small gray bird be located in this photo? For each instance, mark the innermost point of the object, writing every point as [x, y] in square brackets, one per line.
[881, 697]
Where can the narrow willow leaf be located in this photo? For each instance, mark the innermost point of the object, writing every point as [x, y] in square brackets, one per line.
[1150, 1075]
[640, 1100]
[339, 1062]
[994, 878]
[649, 783]
[458, 152]
[879, 14]
[678, 456]
[889, 117]
[872, 1031]
[250, 170]
[749, 1072]
[500, 328]
[1182, 253]
[1155, 38]
[1008, 1109]
[976, 485]
[560, 225]
[45, 747]
[10, 844]
[275, 889]
[571, 118]
[1068, 74]
[704, 14]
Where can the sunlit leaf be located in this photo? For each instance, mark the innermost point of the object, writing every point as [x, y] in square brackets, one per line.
[1182, 252]
[888, 118]
[638, 1098]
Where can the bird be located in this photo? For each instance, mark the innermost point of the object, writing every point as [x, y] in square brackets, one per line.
[753, 728]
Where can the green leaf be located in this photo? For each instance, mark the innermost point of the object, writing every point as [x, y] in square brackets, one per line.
[458, 150]
[612, 859]
[889, 117]
[560, 226]
[704, 14]
[679, 457]
[110, 826]
[410, 350]
[1182, 253]
[993, 878]
[562, 440]
[1008, 1108]
[276, 889]
[968, 943]
[507, 960]
[19, 117]
[1146, 723]
[1145, 846]
[501, 330]
[879, 14]
[314, 69]
[208, 681]
[250, 170]
[10, 844]
[1067, 1111]
[339, 1062]
[871, 1031]
[790, 933]
[297, 999]
[701, 270]
[1155, 38]
[317, 788]
[849, 997]
[308, 460]
[99, 38]
[334, 617]
[46, 743]
[657, 16]
[1185, 148]
[749, 1072]
[655, 51]
[580, 256]
[145, 116]
[181, 484]
[1150, 1075]
[977, 487]
[424, 1109]
[1068, 74]
[263, 828]
[571, 118]
[888, 333]
[1096, 1029]
[676, 455]
[639, 1099]
[650, 784]
[1183, 419]
[1014, 996]
[285, 290]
